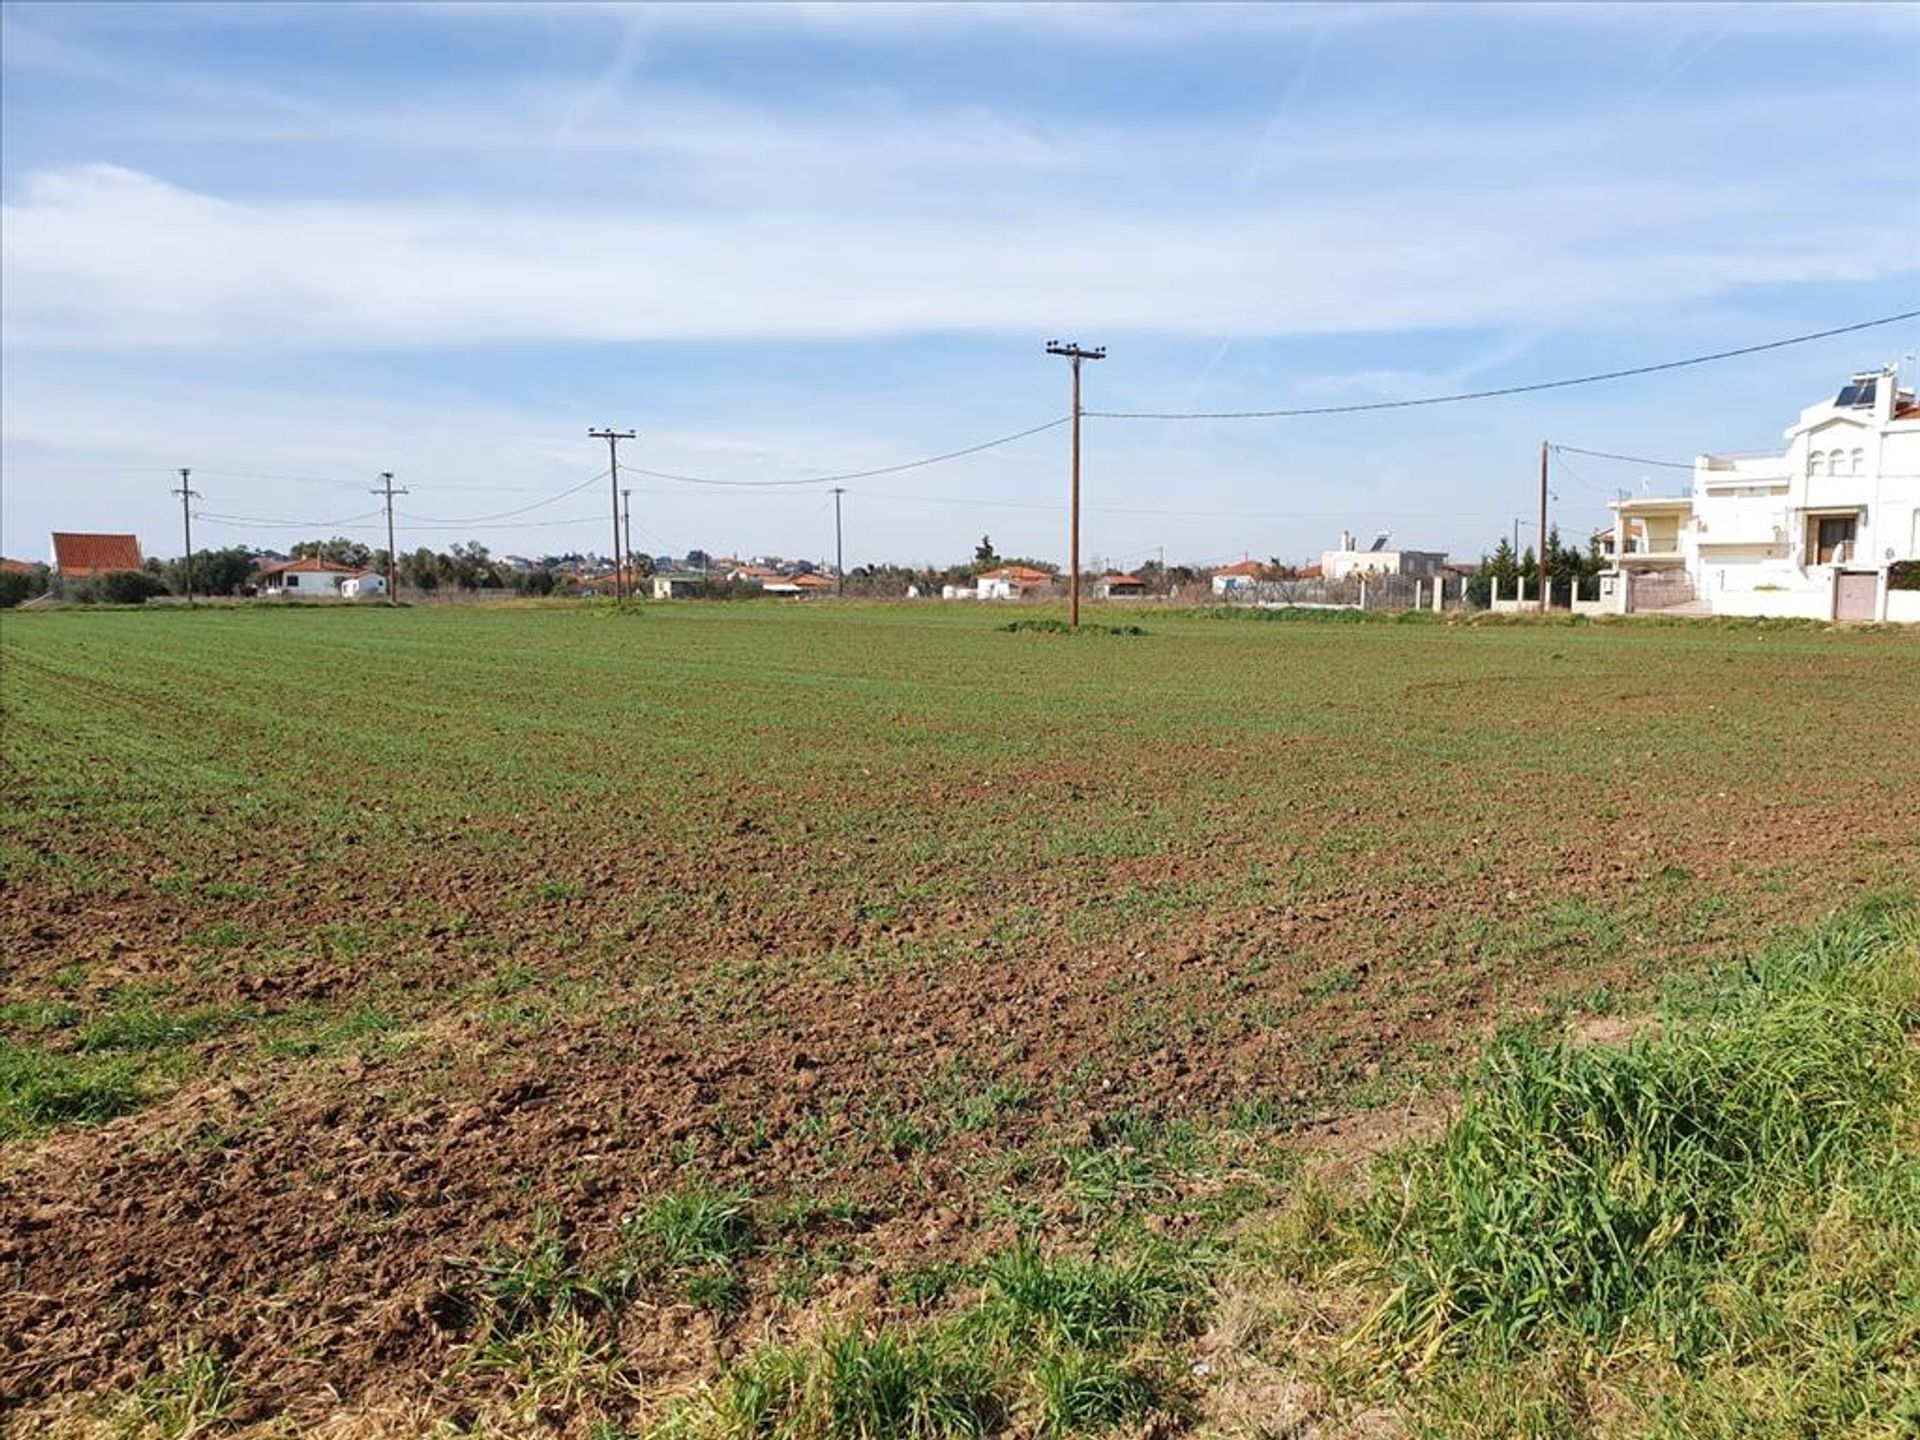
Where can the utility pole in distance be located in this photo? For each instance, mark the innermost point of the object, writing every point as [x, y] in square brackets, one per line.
[1076, 354]
[387, 492]
[626, 514]
[186, 524]
[613, 439]
[1544, 447]
[839, 550]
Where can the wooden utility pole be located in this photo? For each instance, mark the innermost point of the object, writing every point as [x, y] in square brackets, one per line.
[1544, 447]
[839, 550]
[387, 492]
[1075, 354]
[186, 524]
[626, 515]
[613, 439]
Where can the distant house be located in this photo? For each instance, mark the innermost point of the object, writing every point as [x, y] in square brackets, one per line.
[1011, 582]
[677, 584]
[608, 585]
[17, 567]
[307, 578]
[1377, 559]
[803, 584]
[81, 557]
[1117, 587]
[1238, 576]
[765, 576]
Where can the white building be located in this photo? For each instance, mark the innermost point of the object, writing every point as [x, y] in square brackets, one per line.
[1241, 575]
[366, 585]
[1806, 533]
[306, 579]
[1377, 559]
[1011, 582]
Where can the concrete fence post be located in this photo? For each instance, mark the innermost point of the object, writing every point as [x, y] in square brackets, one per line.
[1363, 594]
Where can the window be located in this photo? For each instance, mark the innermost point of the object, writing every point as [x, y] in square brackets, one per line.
[1830, 538]
[1859, 462]
[292, 582]
[1816, 462]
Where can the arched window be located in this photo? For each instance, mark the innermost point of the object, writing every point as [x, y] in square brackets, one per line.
[1816, 462]
[1859, 462]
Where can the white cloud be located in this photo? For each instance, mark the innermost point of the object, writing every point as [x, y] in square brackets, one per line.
[101, 257]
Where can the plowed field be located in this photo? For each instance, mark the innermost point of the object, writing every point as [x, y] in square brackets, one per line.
[347, 952]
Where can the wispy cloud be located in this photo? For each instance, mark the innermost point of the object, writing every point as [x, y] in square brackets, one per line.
[104, 257]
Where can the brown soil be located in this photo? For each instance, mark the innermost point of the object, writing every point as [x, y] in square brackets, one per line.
[304, 1218]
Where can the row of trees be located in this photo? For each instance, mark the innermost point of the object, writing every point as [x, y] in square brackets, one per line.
[1568, 568]
[234, 570]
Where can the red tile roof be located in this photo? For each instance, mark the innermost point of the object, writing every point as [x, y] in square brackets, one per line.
[1123, 579]
[310, 564]
[1019, 575]
[18, 567]
[1242, 567]
[83, 555]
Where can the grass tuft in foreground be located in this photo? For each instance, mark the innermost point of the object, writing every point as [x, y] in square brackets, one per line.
[1715, 1231]
[1061, 1345]
[41, 1088]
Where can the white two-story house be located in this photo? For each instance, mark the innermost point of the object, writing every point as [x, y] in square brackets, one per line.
[1807, 533]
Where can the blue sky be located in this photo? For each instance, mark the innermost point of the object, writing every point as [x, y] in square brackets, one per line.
[294, 246]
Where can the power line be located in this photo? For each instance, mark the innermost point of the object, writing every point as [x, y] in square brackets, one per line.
[1626, 459]
[517, 510]
[215, 517]
[499, 525]
[858, 474]
[1504, 390]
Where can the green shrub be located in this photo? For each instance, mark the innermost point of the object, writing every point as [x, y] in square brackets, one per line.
[129, 587]
[1904, 575]
[18, 586]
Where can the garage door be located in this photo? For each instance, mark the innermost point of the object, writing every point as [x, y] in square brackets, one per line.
[1854, 595]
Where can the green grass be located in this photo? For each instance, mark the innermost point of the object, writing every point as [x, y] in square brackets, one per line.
[879, 903]
[1712, 1231]
[852, 1384]
[1053, 1345]
[42, 1088]
[191, 1396]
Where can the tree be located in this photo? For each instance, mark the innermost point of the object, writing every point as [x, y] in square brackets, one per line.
[128, 587]
[338, 551]
[420, 570]
[983, 556]
[699, 560]
[17, 586]
[538, 581]
[1503, 565]
[215, 572]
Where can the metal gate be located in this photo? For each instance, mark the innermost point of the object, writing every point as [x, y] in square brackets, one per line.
[1856, 595]
[1659, 590]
